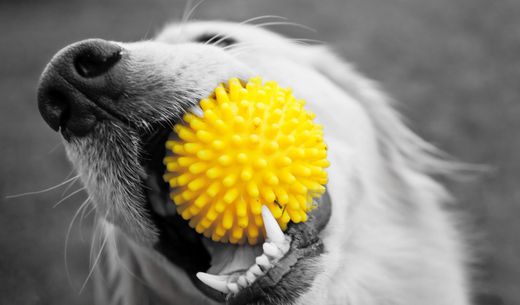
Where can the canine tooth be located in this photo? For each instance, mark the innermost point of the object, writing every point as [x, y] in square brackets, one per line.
[233, 287]
[217, 282]
[271, 250]
[250, 277]
[263, 261]
[242, 281]
[255, 269]
[273, 231]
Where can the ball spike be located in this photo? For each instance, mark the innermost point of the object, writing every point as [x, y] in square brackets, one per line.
[251, 145]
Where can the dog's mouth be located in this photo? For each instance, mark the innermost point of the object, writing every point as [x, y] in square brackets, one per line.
[224, 272]
[97, 78]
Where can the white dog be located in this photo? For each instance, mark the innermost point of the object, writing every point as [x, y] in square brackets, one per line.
[388, 240]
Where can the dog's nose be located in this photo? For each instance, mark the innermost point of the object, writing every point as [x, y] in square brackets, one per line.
[74, 83]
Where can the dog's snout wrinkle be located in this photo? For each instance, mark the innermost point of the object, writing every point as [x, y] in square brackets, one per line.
[74, 82]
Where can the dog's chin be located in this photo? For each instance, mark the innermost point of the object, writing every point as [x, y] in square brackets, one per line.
[238, 274]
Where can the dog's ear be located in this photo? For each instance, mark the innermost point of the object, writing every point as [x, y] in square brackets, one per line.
[397, 142]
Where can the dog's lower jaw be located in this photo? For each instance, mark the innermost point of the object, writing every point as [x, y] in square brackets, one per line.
[129, 273]
[285, 284]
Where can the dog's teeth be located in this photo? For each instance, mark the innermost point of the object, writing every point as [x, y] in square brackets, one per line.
[271, 250]
[250, 277]
[263, 261]
[233, 287]
[255, 269]
[217, 282]
[273, 230]
[242, 282]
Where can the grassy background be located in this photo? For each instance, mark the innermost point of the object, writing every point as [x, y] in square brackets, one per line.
[453, 65]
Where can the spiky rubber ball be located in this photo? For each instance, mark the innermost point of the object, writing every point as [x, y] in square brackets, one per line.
[253, 144]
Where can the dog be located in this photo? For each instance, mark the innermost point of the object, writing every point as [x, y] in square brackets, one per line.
[382, 234]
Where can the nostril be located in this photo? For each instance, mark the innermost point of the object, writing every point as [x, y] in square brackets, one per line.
[94, 62]
[55, 108]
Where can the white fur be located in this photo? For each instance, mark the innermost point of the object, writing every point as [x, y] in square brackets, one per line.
[389, 240]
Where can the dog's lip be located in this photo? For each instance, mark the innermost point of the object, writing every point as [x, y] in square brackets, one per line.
[283, 269]
[271, 277]
[305, 246]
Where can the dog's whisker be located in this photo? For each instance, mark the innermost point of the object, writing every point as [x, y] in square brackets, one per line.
[248, 44]
[68, 196]
[307, 40]
[248, 21]
[93, 267]
[148, 29]
[190, 13]
[44, 190]
[299, 41]
[96, 236]
[120, 261]
[72, 171]
[67, 238]
[58, 145]
[70, 185]
[185, 10]
[299, 25]
[84, 214]
[100, 234]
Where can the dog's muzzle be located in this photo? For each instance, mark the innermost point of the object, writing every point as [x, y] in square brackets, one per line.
[76, 87]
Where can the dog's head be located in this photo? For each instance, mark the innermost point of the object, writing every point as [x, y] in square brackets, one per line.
[115, 103]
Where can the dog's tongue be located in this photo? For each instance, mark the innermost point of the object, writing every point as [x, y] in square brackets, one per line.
[228, 258]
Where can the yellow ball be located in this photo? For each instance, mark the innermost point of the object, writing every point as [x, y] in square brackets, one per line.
[252, 145]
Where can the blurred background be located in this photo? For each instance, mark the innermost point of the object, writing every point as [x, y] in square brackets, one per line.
[454, 66]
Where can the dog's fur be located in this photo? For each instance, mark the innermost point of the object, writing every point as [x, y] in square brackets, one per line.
[390, 239]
